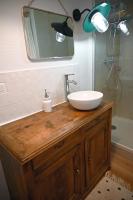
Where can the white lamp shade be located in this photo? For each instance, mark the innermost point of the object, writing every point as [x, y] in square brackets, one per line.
[123, 27]
[100, 22]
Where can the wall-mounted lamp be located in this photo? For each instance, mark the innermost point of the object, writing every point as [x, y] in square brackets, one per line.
[96, 19]
[123, 27]
[62, 30]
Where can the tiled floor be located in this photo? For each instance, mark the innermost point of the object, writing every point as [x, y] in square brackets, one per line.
[107, 189]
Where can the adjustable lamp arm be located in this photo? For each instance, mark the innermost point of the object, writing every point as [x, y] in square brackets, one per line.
[86, 9]
[77, 14]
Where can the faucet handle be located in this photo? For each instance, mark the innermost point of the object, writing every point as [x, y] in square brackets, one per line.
[69, 74]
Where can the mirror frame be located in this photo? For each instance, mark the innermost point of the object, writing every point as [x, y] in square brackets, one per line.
[47, 58]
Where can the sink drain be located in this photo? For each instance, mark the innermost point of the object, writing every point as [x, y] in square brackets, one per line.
[113, 127]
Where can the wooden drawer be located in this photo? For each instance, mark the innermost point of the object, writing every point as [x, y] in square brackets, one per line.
[56, 151]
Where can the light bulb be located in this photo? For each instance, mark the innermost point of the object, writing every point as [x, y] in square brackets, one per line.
[122, 25]
[100, 22]
[60, 37]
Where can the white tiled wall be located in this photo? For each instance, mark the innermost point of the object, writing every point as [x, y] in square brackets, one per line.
[121, 94]
[24, 80]
[25, 90]
[126, 53]
[124, 106]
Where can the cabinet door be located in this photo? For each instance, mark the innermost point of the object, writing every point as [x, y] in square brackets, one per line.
[97, 152]
[61, 180]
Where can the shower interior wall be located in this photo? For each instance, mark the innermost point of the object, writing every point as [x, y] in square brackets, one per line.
[114, 71]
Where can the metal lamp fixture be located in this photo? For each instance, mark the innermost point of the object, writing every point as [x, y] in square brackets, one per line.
[96, 19]
[123, 27]
[62, 30]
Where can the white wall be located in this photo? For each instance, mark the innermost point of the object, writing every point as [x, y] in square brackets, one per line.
[24, 81]
[100, 56]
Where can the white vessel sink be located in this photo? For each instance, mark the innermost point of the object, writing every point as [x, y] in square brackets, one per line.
[85, 100]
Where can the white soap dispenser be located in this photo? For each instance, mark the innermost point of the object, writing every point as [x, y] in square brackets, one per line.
[47, 103]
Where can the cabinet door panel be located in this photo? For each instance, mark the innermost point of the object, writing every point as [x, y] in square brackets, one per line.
[96, 150]
[61, 181]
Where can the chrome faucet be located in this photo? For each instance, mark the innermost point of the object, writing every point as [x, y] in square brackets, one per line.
[67, 84]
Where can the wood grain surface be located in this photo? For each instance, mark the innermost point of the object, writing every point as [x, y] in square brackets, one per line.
[30, 136]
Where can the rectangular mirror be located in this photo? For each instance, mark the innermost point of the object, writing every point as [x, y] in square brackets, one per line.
[41, 38]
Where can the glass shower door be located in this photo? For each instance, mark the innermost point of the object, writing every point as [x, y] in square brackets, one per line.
[114, 77]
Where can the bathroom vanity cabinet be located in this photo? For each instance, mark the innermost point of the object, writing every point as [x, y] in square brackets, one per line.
[56, 156]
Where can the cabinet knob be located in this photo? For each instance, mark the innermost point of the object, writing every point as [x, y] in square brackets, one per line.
[77, 171]
[89, 159]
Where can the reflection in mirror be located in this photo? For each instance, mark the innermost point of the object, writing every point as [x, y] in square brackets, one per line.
[42, 40]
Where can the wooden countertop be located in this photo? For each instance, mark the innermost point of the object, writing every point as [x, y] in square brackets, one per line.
[31, 135]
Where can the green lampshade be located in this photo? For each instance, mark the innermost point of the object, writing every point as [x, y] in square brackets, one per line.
[103, 8]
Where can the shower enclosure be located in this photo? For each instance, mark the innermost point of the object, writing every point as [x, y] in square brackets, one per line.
[114, 70]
